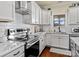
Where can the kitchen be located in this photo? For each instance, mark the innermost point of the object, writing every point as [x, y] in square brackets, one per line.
[43, 28]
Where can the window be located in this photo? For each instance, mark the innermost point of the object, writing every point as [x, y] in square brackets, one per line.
[59, 20]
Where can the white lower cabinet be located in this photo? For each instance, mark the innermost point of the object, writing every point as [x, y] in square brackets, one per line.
[16, 53]
[58, 40]
[48, 39]
[54, 40]
[64, 42]
[41, 44]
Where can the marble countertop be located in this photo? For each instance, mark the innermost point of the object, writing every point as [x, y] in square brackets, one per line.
[57, 33]
[75, 39]
[7, 47]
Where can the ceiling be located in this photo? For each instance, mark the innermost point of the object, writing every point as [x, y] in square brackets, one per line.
[52, 4]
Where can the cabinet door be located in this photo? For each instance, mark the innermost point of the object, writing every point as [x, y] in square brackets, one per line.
[48, 39]
[37, 14]
[16, 53]
[33, 12]
[55, 40]
[42, 42]
[64, 42]
[50, 17]
[6, 10]
[78, 15]
[40, 16]
[45, 19]
[41, 46]
[72, 15]
[75, 15]
[44, 37]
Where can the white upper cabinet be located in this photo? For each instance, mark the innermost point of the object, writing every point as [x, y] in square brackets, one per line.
[44, 15]
[37, 13]
[7, 11]
[33, 12]
[78, 15]
[50, 17]
[73, 17]
[34, 16]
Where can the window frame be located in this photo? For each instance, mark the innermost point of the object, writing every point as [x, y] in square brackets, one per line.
[59, 16]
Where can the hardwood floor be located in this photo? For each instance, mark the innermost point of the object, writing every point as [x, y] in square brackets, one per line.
[46, 53]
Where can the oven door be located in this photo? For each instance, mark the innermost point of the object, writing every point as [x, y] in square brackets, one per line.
[30, 43]
[32, 49]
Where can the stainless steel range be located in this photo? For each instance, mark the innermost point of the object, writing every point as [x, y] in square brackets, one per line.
[17, 34]
[74, 48]
[23, 35]
[75, 32]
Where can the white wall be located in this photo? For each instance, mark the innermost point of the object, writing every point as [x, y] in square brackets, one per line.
[2, 29]
[18, 18]
[27, 17]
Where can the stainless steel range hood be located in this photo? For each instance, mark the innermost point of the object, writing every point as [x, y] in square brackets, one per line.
[21, 7]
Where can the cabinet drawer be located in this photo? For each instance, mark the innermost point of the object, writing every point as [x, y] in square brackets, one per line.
[16, 53]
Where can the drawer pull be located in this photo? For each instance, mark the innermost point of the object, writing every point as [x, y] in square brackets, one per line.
[16, 53]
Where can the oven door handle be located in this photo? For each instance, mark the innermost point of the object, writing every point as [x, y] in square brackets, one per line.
[30, 44]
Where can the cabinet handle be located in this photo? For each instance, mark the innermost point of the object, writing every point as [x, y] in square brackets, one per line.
[16, 53]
